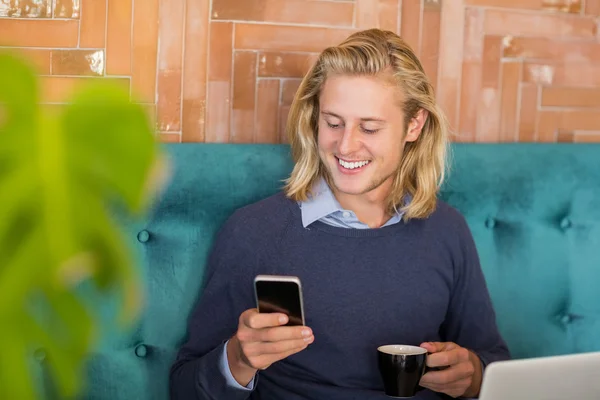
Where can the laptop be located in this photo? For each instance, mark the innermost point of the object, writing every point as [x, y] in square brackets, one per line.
[564, 377]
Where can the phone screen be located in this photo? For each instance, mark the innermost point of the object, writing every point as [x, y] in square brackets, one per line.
[283, 297]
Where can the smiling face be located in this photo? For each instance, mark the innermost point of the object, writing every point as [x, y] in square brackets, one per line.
[362, 135]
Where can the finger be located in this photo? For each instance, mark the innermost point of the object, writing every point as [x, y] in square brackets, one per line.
[448, 357]
[450, 375]
[281, 347]
[262, 361]
[436, 347]
[255, 320]
[455, 389]
[284, 333]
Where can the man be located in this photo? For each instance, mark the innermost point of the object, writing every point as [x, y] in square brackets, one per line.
[381, 260]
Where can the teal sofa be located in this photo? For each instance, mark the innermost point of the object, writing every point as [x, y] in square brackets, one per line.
[534, 211]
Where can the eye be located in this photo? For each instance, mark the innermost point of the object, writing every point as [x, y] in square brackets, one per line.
[333, 126]
[369, 131]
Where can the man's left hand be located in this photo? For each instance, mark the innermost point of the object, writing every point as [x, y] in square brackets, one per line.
[461, 375]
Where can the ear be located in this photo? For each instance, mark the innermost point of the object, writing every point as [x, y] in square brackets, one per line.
[416, 125]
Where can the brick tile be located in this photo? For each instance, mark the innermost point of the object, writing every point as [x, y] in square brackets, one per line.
[565, 137]
[283, 116]
[26, 9]
[38, 59]
[410, 24]
[553, 122]
[504, 22]
[289, 88]
[377, 14]
[430, 42]
[78, 62]
[218, 101]
[528, 113]
[58, 89]
[450, 66]
[165, 137]
[118, 37]
[39, 33]
[389, 15]
[287, 38]
[511, 76]
[317, 12]
[492, 46]
[592, 7]
[488, 115]
[284, 65]
[171, 20]
[65, 9]
[568, 74]
[548, 126]
[471, 75]
[194, 70]
[150, 110]
[580, 120]
[567, 6]
[244, 90]
[144, 50]
[267, 111]
[469, 101]
[169, 100]
[551, 49]
[587, 137]
[93, 24]
[570, 97]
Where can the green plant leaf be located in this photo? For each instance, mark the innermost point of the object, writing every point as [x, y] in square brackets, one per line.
[60, 177]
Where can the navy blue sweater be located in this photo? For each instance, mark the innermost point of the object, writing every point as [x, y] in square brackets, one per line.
[362, 288]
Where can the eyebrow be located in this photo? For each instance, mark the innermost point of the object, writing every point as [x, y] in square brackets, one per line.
[366, 119]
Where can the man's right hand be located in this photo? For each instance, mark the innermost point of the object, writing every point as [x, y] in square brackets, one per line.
[260, 341]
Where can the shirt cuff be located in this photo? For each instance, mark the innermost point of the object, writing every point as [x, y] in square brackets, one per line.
[224, 367]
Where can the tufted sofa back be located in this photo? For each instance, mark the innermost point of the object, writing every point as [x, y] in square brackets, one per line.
[534, 210]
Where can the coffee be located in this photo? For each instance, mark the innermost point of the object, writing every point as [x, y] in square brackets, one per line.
[401, 368]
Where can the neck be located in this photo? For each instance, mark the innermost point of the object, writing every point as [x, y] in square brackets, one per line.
[370, 208]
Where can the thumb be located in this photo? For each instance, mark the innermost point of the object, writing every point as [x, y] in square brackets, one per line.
[436, 347]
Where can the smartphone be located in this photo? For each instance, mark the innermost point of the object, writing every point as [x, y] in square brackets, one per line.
[281, 294]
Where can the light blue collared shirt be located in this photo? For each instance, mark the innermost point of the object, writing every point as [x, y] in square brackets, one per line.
[321, 206]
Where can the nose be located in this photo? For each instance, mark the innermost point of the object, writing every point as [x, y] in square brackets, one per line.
[350, 141]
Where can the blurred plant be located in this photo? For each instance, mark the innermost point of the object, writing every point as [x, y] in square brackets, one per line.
[58, 175]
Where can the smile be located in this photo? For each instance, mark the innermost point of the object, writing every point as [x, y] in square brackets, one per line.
[352, 164]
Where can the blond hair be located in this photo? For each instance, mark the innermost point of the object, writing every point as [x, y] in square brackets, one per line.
[370, 53]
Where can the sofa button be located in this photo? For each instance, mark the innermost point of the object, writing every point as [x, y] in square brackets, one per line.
[141, 350]
[39, 355]
[565, 223]
[565, 319]
[490, 223]
[143, 236]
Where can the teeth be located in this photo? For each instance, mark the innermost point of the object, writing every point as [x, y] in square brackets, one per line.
[352, 165]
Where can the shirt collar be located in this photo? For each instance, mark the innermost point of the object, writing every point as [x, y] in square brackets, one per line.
[322, 203]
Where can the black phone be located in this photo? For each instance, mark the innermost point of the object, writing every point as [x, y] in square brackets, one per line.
[280, 294]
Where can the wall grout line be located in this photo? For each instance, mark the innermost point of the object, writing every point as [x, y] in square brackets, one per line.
[288, 24]
[79, 27]
[536, 135]
[519, 103]
[183, 35]
[132, 47]
[106, 40]
[256, 82]
[231, 110]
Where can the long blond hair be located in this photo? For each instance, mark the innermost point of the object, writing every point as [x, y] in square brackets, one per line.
[423, 165]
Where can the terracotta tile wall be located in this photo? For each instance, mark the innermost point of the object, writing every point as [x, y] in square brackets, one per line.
[226, 70]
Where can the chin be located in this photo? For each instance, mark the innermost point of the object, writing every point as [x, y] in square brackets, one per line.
[350, 185]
